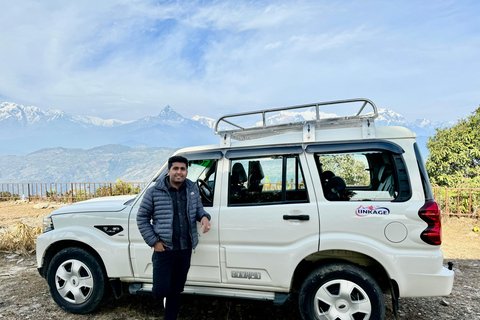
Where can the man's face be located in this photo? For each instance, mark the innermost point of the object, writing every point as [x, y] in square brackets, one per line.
[177, 173]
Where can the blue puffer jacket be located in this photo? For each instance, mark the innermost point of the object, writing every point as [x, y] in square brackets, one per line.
[155, 215]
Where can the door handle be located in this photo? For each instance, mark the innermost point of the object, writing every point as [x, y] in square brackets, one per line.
[303, 217]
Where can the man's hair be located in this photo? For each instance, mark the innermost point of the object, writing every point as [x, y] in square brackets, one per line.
[173, 159]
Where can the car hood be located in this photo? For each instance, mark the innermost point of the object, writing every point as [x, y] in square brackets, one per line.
[106, 204]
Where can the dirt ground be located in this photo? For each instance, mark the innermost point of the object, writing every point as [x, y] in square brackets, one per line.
[25, 295]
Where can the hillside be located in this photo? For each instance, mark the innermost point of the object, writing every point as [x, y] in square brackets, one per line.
[101, 164]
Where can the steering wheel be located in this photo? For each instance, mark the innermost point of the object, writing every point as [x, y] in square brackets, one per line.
[205, 190]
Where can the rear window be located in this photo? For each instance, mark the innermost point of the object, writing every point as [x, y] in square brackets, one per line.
[359, 175]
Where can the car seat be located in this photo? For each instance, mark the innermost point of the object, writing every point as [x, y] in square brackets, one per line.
[255, 177]
[238, 178]
[385, 178]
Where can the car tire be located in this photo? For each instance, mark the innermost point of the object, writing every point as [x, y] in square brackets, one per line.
[77, 281]
[339, 291]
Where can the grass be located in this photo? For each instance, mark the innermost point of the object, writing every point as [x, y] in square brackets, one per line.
[20, 224]
[19, 238]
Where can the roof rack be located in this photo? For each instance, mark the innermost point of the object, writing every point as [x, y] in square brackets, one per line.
[260, 129]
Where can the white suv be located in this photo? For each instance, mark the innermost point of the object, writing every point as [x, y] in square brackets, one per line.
[333, 211]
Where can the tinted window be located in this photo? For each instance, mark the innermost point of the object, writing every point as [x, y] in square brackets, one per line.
[358, 176]
[263, 180]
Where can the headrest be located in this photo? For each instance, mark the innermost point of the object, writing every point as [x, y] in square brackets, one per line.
[336, 183]
[238, 173]
[327, 175]
[257, 171]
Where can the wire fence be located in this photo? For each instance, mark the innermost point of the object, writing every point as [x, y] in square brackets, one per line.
[452, 201]
[67, 191]
[458, 201]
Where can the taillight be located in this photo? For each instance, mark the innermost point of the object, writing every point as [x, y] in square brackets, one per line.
[431, 215]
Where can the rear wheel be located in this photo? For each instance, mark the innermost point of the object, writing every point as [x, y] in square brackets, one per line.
[341, 291]
[77, 281]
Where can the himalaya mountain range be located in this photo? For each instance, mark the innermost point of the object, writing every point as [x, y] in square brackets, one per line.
[50, 145]
[28, 129]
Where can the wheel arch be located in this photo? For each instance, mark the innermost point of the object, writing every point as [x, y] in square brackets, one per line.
[367, 263]
[58, 246]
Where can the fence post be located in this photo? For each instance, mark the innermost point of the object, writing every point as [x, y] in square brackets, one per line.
[458, 201]
[446, 200]
[470, 202]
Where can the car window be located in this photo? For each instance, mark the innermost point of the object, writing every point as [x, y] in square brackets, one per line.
[358, 176]
[266, 180]
[202, 172]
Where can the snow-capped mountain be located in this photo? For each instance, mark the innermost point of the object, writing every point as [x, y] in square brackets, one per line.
[14, 114]
[209, 122]
[27, 129]
[386, 117]
[60, 139]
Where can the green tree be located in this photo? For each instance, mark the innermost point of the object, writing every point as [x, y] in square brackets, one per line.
[454, 159]
[350, 169]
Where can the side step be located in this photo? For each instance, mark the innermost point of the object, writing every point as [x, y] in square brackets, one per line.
[275, 297]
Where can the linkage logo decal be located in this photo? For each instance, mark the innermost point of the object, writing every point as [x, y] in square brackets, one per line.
[365, 211]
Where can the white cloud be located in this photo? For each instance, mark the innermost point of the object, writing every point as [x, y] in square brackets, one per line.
[128, 59]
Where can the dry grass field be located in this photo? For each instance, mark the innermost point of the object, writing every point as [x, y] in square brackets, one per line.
[25, 295]
[459, 239]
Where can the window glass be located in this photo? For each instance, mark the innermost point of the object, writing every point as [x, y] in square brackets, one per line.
[202, 172]
[360, 176]
[295, 183]
[262, 180]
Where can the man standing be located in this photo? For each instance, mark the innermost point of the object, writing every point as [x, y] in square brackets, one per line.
[167, 221]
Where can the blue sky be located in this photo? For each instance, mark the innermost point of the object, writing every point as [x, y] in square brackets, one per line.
[128, 59]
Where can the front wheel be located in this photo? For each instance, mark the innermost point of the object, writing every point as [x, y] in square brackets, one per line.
[341, 291]
[77, 281]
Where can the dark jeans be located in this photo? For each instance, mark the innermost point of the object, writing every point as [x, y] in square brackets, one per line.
[170, 270]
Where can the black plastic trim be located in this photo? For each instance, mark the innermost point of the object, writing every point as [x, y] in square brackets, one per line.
[110, 230]
[355, 146]
[280, 298]
[214, 155]
[258, 152]
[404, 187]
[427, 188]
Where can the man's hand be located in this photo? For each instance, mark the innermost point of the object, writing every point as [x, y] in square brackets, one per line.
[205, 223]
[159, 246]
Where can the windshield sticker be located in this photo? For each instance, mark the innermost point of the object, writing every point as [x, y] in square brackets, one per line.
[365, 211]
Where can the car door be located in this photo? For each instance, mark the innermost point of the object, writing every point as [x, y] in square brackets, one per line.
[205, 265]
[269, 217]
[367, 195]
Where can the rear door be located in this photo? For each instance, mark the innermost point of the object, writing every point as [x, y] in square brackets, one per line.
[368, 200]
[269, 218]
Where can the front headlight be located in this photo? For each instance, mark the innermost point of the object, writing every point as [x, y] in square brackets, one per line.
[47, 224]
